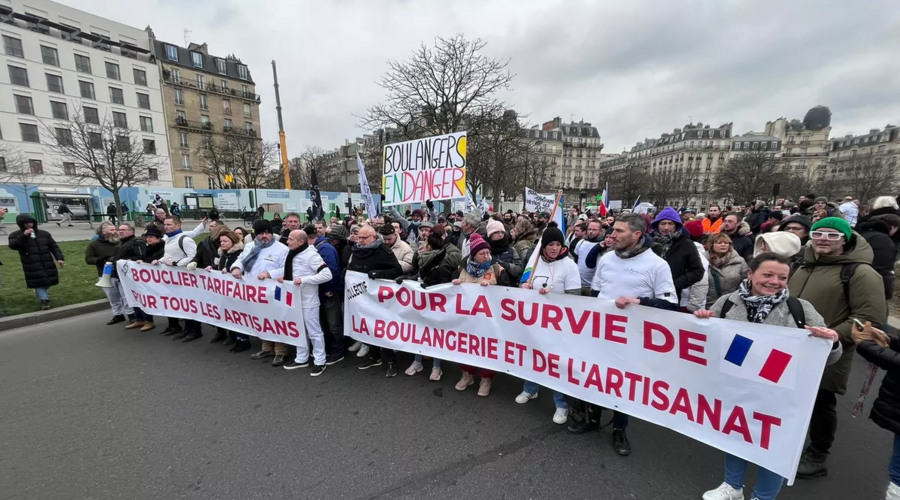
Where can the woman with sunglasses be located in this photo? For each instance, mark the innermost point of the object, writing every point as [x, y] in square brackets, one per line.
[763, 298]
[555, 272]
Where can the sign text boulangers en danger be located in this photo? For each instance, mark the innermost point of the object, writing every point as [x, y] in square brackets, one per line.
[744, 388]
[433, 168]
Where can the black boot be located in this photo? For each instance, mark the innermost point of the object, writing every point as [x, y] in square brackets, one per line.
[45, 305]
[118, 318]
[231, 340]
[620, 442]
[219, 336]
[812, 464]
[240, 346]
[585, 418]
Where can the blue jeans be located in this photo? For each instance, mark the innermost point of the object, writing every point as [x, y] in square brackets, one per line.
[140, 315]
[437, 362]
[894, 464]
[559, 399]
[41, 292]
[768, 484]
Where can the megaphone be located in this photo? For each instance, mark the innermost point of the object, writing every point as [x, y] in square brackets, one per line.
[105, 280]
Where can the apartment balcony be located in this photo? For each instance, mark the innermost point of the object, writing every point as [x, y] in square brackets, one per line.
[194, 126]
[240, 131]
[210, 87]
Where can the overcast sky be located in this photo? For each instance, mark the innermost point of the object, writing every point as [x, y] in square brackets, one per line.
[634, 69]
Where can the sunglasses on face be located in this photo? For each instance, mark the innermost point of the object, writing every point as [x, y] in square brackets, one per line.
[826, 235]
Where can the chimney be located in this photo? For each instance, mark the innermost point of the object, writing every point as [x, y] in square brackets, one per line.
[874, 130]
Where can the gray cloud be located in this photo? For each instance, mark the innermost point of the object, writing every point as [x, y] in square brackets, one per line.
[634, 69]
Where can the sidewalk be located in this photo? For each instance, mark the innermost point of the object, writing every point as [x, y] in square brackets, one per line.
[80, 231]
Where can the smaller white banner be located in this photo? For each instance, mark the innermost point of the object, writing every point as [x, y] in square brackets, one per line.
[537, 202]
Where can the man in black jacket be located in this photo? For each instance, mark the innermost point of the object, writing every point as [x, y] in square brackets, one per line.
[103, 251]
[133, 249]
[877, 231]
[39, 255]
[743, 245]
[376, 260]
[674, 245]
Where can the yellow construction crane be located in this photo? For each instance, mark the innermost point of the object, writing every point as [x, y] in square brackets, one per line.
[285, 166]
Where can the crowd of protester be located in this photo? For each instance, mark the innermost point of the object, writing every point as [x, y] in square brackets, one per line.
[812, 264]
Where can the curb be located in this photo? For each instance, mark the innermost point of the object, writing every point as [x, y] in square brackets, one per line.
[36, 318]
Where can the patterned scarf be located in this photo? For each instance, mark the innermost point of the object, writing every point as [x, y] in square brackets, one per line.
[663, 242]
[759, 306]
[720, 262]
[475, 269]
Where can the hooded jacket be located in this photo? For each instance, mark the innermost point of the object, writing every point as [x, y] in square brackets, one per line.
[38, 255]
[330, 255]
[726, 279]
[682, 256]
[877, 234]
[437, 267]
[207, 251]
[818, 281]
[524, 243]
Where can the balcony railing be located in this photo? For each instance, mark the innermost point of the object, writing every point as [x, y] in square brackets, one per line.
[239, 131]
[210, 87]
[205, 127]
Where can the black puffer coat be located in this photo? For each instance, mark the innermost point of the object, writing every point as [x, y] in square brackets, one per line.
[377, 262]
[38, 254]
[131, 248]
[435, 268]
[877, 233]
[684, 261]
[886, 409]
[507, 257]
[207, 252]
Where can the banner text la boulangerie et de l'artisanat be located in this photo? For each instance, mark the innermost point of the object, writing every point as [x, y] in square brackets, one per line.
[743, 388]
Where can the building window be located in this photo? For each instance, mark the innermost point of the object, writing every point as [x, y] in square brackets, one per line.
[91, 115]
[140, 77]
[149, 147]
[226, 106]
[69, 168]
[18, 76]
[201, 81]
[249, 128]
[143, 100]
[59, 109]
[64, 137]
[146, 124]
[55, 83]
[87, 89]
[116, 96]
[95, 140]
[176, 75]
[189, 182]
[184, 140]
[737, 145]
[179, 97]
[29, 132]
[220, 65]
[13, 46]
[803, 151]
[245, 90]
[123, 143]
[229, 125]
[242, 72]
[186, 161]
[171, 52]
[154, 174]
[197, 59]
[24, 105]
[36, 166]
[204, 101]
[204, 119]
[248, 113]
[82, 64]
[119, 119]
[49, 55]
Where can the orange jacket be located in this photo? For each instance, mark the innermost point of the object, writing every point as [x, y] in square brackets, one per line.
[711, 228]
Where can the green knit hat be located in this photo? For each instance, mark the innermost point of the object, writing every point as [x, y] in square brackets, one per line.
[835, 223]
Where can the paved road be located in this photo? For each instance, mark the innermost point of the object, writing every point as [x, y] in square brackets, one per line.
[80, 232]
[95, 412]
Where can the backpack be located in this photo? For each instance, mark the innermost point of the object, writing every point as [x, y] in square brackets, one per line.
[794, 306]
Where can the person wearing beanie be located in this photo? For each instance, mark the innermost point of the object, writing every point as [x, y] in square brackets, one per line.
[411, 226]
[836, 268]
[502, 248]
[434, 265]
[775, 218]
[785, 243]
[229, 249]
[482, 268]
[554, 273]
[694, 229]
[674, 245]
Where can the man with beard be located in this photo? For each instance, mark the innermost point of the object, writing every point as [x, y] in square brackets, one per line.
[632, 274]
[291, 223]
[504, 252]
[742, 244]
[374, 259]
[412, 227]
[580, 252]
[674, 245]
[100, 251]
[134, 249]
[469, 225]
[799, 225]
[399, 248]
[576, 235]
[541, 221]
[713, 221]
[339, 236]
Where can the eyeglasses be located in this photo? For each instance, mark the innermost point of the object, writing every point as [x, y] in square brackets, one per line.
[826, 235]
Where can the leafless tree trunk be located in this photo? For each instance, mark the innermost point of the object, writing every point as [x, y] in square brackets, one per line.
[748, 177]
[865, 177]
[238, 160]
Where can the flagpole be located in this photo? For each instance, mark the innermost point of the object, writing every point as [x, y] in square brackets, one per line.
[537, 248]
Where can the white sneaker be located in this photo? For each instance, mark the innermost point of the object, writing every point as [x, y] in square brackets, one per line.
[355, 347]
[414, 368]
[435, 374]
[724, 492]
[525, 397]
[893, 492]
[363, 351]
[561, 416]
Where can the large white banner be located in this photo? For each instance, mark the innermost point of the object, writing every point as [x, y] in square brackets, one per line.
[537, 202]
[743, 388]
[265, 309]
[432, 168]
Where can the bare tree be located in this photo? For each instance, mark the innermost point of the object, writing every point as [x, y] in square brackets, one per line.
[684, 184]
[496, 155]
[238, 159]
[748, 177]
[16, 170]
[628, 182]
[661, 187]
[103, 152]
[865, 176]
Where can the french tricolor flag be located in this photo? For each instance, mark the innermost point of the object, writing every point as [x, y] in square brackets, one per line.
[284, 296]
[763, 359]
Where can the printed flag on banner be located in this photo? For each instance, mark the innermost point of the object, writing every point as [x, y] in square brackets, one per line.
[284, 296]
[368, 199]
[315, 196]
[556, 216]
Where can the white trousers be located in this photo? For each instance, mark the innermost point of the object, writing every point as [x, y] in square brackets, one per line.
[314, 334]
[116, 296]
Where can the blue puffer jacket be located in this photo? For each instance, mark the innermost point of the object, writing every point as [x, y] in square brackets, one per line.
[330, 256]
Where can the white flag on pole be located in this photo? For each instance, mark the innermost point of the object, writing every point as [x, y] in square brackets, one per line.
[364, 188]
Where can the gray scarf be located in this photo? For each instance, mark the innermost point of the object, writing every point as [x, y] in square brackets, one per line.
[634, 251]
[251, 257]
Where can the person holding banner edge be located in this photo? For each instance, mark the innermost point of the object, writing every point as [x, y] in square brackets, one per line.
[763, 298]
[555, 272]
